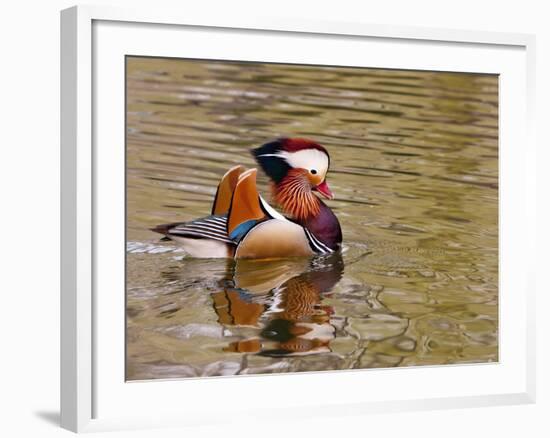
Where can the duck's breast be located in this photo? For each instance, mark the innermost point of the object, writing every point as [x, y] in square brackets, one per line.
[274, 238]
[325, 227]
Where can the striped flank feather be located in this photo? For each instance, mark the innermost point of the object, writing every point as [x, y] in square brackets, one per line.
[316, 245]
[210, 227]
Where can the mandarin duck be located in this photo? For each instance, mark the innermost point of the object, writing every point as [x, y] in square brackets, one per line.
[243, 225]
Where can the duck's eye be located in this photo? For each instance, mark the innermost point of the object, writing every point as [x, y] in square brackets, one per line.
[313, 171]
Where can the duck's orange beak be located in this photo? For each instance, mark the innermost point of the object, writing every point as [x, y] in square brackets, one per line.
[324, 190]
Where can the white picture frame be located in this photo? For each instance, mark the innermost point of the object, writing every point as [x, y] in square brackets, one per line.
[86, 375]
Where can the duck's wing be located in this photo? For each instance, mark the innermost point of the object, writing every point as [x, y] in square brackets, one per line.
[213, 226]
[238, 207]
[246, 209]
[219, 235]
[226, 187]
[210, 227]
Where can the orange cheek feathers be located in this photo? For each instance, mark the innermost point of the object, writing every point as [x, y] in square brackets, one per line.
[314, 180]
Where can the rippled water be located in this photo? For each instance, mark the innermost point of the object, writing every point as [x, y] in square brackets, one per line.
[414, 167]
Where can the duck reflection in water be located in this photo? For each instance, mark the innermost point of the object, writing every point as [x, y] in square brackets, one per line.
[281, 303]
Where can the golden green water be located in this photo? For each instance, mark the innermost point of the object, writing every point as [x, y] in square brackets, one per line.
[414, 167]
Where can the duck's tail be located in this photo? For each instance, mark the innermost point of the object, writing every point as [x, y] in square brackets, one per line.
[164, 228]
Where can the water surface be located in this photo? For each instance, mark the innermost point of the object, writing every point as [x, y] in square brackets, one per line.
[414, 167]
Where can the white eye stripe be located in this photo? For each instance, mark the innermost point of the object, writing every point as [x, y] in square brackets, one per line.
[281, 155]
[304, 159]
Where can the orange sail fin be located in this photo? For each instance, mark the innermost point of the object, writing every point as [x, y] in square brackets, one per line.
[245, 210]
[227, 185]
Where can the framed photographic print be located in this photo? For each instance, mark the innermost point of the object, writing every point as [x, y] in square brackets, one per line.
[278, 206]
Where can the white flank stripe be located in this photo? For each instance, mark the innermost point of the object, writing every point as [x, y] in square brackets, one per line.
[322, 244]
[207, 229]
[219, 219]
[310, 238]
[203, 235]
[201, 226]
[199, 233]
[209, 225]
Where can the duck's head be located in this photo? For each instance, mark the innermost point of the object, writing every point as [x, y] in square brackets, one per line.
[298, 167]
[292, 157]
